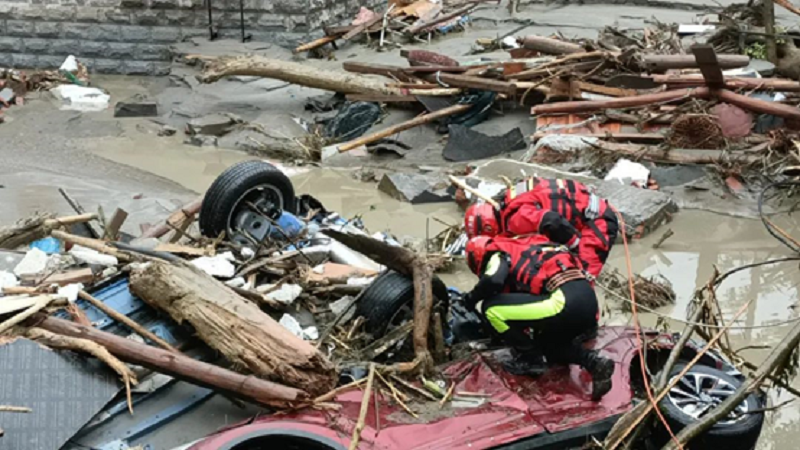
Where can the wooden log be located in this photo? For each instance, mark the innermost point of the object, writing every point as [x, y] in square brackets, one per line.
[604, 90]
[316, 43]
[94, 244]
[624, 102]
[424, 26]
[484, 84]
[692, 80]
[295, 73]
[382, 98]
[707, 61]
[768, 14]
[234, 326]
[758, 105]
[246, 387]
[127, 321]
[549, 46]
[178, 216]
[415, 122]
[393, 72]
[37, 227]
[661, 63]
[675, 156]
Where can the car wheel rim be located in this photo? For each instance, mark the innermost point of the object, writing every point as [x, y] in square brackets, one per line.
[256, 203]
[698, 393]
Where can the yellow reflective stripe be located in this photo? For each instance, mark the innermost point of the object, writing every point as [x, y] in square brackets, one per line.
[500, 314]
[493, 265]
[513, 192]
[530, 184]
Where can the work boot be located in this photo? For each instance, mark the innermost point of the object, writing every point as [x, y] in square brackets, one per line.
[528, 362]
[601, 369]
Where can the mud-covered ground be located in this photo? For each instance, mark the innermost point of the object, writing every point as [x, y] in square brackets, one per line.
[123, 163]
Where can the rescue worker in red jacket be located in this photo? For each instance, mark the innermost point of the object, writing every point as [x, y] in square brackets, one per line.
[563, 210]
[532, 291]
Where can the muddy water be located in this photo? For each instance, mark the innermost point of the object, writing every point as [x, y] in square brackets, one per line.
[701, 242]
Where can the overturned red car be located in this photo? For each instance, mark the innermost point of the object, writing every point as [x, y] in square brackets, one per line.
[494, 409]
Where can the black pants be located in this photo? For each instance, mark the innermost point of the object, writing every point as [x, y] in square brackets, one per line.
[559, 336]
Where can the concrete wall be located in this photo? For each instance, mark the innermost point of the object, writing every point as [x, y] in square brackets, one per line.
[134, 36]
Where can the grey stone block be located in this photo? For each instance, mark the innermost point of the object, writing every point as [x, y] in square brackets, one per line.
[103, 3]
[93, 49]
[52, 61]
[60, 13]
[270, 21]
[133, 3]
[289, 6]
[77, 30]
[89, 14]
[47, 29]
[67, 47]
[152, 52]
[37, 46]
[120, 16]
[415, 188]
[148, 17]
[136, 106]
[162, 69]
[118, 50]
[25, 61]
[10, 45]
[188, 33]
[28, 12]
[6, 10]
[166, 34]
[212, 125]
[18, 28]
[138, 68]
[185, 18]
[102, 65]
[105, 33]
[134, 34]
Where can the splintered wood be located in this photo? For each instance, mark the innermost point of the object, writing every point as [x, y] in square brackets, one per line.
[237, 328]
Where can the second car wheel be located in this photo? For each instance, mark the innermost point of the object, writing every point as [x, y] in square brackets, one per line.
[697, 392]
[237, 190]
[389, 300]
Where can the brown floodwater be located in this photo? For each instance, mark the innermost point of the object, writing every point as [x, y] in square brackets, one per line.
[702, 241]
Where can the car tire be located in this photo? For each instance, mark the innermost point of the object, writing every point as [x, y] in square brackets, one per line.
[233, 184]
[741, 434]
[387, 295]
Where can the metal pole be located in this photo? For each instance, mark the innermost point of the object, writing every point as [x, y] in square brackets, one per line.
[211, 33]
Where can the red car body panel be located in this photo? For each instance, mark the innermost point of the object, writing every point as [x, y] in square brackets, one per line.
[515, 407]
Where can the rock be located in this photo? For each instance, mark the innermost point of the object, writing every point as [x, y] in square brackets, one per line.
[137, 106]
[676, 175]
[201, 140]
[644, 210]
[213, 125]
[286, 294]
[167, 130]
[92, 257]
[216, 266]
[415, 188]
[79, 98]
[34, 263]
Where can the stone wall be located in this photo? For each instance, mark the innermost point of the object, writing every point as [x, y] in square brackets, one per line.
[134, 36]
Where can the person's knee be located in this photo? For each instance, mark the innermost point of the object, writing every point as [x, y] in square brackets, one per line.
[496, 321]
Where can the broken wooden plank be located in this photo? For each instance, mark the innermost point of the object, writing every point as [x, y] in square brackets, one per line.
[182, 249]
[246, 387]
[381, 98]
[693, 80]
[84, 276]
[605, 90]
[234, 326]
[484, 84]
[549, 46]
[415, 122]
[434, 69]
[706, 59]
[425, 25]
[664, 62]
[646, 138]
[127, 321]
[316, 43]
[362, 27]
[178, 216]
[616, 103]
[113, 225]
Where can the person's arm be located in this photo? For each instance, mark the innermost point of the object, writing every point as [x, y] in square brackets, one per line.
[529, 219]
[492, 280]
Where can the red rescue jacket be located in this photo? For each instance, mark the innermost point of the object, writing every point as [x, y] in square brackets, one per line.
[533, 260]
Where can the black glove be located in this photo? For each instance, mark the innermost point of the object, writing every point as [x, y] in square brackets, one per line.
[468, 301]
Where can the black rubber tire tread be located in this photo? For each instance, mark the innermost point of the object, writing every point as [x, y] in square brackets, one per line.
[742, 435]
[386, 295]
[231, 184]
